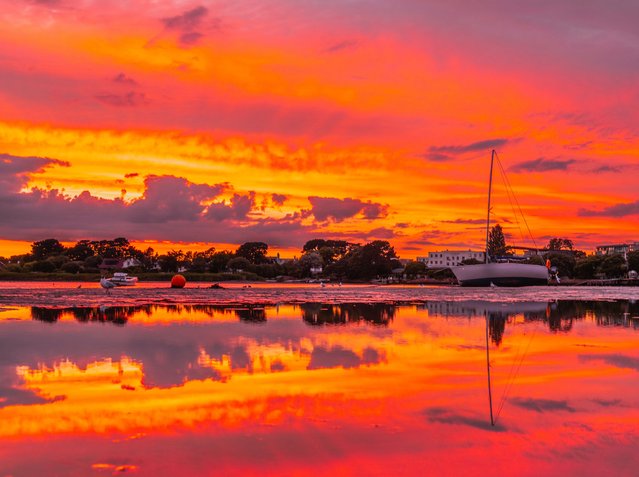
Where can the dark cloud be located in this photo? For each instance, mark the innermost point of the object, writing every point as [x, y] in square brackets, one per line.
[242, 204]
[130, 175]
[372, 211]
[618, 210]
[605, 169]
[190, 38]
[617, 360]
[278, 199]
[608, 402]
[121, 78]
[126, 100]
[187, 24]
[187, 20]
[342, 45]
[447, 153]
[465, 221]
[381, 233]
[169, 198]
[445, 416]
[543, 165]
[171, 208]
[542, 405]
[238, 208]
[15, 170]
[331, 208]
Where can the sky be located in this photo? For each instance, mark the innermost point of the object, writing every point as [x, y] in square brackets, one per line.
[182, 124]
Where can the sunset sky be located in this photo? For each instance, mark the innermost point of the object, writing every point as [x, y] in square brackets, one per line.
[189, 124]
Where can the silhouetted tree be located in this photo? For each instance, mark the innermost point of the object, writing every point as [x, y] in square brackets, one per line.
[366, 262]
[219, 261]
[559, 244]
[588, 267]
[414, 268]
[46, 248]
[171, 261]
[45, 266]
[254, 252]
[310, 260]
[80, 251]
[613, 266]
[633, 260]
[497, 242]
[238, 263]
[329, 250]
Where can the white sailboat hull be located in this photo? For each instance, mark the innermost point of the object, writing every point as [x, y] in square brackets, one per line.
[501, 275]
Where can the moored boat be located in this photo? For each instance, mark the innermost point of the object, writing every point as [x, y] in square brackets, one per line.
[122, 279]
[500, 274]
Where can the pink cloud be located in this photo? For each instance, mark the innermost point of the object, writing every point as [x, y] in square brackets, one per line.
[171, 208]
[130, 99]
[331, 208]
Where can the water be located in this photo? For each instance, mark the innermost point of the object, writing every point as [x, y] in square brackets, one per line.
[290, 380]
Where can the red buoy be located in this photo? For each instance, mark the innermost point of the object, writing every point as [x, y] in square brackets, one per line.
[178, 281]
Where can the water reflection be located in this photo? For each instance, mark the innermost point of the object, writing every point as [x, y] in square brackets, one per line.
[558, 316]
[303, 383]
[376, 313]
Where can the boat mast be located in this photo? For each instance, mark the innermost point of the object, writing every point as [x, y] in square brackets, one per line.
[490, 189]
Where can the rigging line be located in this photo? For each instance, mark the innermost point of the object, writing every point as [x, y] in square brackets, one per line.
[511, 195]
[510, 384]
[518, 206]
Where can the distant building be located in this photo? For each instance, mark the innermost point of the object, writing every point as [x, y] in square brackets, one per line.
[118, 263]
[111, 264]
[622, 248]
[278, 260]
[450, 258]
[131, 262]
[316, 270]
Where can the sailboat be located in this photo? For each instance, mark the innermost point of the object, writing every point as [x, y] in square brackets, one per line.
[500, 274]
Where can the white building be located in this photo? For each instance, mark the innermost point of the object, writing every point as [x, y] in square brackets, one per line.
[449, 258]
[622, 248]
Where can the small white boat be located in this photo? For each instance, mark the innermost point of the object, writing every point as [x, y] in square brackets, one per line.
[122, 279]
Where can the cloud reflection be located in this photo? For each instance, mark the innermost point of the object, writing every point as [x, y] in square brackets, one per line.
[447, 416]
[542, 405]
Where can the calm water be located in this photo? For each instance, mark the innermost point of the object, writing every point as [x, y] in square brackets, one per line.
[297, 380]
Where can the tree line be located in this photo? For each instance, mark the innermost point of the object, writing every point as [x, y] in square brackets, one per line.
[321, 258]
[326, 258]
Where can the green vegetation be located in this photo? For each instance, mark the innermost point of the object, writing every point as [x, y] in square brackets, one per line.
[496, 246]
[88, 260]
[320, 259]
[633, 261]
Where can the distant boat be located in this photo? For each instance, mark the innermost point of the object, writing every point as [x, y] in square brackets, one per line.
[122, 279]
[500, 274]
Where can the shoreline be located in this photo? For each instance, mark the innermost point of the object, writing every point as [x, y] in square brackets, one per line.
[251, 278]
